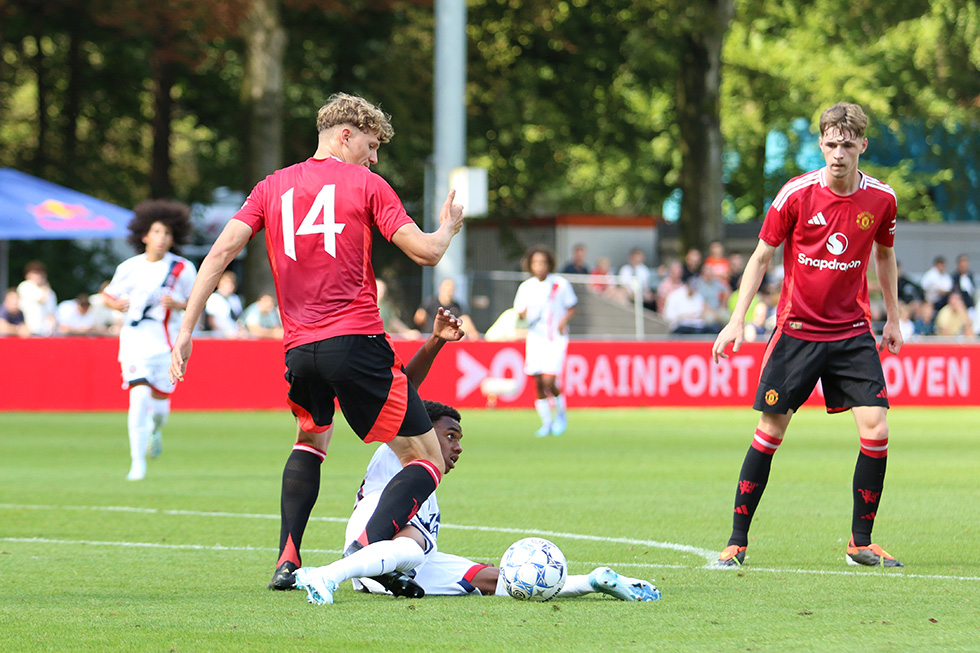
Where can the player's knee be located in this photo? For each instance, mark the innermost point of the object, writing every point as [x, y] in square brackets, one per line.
[875, 431]
[318, 441]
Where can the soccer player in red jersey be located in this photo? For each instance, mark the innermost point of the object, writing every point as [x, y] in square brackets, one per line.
[318, 217]
[829, 222]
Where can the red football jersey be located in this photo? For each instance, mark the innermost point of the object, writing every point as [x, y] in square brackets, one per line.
[318, 217]
[827, 247]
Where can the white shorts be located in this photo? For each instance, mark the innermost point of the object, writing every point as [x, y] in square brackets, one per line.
[440, 574]
[544, 355]
[154, 370]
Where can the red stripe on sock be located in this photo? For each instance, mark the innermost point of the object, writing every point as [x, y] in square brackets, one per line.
[308, 449]
[874, 448]
[765, 443]
[429, 467]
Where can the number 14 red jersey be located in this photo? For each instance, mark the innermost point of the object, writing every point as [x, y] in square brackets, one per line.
[318, 217]
[827, 246]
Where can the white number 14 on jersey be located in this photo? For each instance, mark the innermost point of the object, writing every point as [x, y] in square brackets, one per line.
[324, 203]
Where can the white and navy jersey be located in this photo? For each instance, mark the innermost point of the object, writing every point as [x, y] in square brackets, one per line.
[149, 328]
[382, 468]
[546, 302]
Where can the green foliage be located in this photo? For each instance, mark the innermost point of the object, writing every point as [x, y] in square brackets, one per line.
[573, 105]
[912, 62]
[180, 561]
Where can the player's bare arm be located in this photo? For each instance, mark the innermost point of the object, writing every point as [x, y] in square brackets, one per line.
[428, 248]
[232, 240]
[755, 272]
[445, 328]
[886, 266]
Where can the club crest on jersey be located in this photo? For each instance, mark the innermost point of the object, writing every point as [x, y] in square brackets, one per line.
[772, 397]
[865, 220]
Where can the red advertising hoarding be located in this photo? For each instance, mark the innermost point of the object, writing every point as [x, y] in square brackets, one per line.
[47, 374]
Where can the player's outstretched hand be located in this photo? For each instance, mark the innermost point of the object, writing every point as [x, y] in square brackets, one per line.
[179, 357]
[451, 214]
[732, 333]
[447, 326]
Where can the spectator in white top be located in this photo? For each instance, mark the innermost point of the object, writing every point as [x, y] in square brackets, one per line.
[76, 317]
[224, 307]
[37, 300]
[262, 318]
[937, 283]
[635, 277]
[685, 308]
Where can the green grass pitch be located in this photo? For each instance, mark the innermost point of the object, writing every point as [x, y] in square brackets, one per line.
[180, 561]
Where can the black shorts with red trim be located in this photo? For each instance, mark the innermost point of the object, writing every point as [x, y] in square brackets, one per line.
[365, 375]
[849, 371]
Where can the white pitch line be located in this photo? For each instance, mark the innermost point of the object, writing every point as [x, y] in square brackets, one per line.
[644, 565]
[707, 554]
[682, 548]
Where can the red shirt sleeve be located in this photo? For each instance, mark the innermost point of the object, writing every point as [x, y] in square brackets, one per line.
[387, 209]
[252, 212]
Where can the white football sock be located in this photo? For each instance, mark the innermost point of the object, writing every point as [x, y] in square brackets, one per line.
[576, 586]
[139, 421]
[399, 554]
[560, 407]
[161, 412]
[544, 412]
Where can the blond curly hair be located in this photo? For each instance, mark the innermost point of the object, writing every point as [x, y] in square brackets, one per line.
[344, 109]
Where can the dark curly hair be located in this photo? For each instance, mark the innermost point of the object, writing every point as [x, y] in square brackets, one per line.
[538, 249]
[437, 410]
[172, 213]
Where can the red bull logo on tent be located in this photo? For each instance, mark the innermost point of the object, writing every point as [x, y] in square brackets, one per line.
[55, 215]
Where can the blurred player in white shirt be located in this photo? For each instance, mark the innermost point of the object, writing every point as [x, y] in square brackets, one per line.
[151, 289]
[547, 302]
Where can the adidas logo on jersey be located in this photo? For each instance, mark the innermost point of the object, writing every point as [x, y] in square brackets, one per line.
[818, 219]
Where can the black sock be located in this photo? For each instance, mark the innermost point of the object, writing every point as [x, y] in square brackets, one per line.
[300, 488]
[751, 484]
[869, 479]
[400, 500]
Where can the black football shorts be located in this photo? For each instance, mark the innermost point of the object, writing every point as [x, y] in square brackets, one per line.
[361, 372]
[849, 371]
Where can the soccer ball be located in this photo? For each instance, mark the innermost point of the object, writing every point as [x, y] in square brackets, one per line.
[533, 569]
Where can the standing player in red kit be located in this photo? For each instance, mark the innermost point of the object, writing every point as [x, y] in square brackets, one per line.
[829, 221]
[318, 217]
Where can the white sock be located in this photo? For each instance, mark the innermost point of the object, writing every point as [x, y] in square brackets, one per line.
[139, 421]
[560, 407]
[544, 411]
[576, 586]
[161, 412]
[399, 554]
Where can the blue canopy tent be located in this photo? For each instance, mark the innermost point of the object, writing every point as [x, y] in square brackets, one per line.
[35, 209]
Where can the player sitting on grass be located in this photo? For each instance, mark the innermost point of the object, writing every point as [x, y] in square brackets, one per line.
[414, 549]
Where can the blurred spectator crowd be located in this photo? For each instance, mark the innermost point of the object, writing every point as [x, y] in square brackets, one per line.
[695, 295]
[32, 309]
